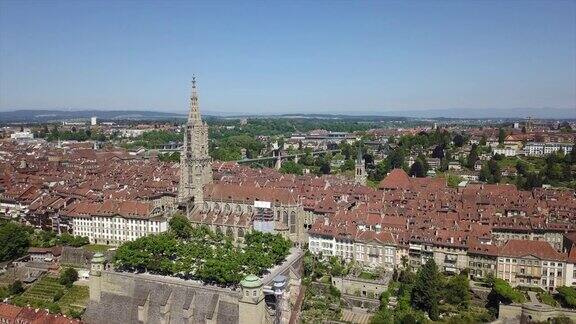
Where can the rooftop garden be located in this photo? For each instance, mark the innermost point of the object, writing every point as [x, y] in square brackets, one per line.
[201, 254]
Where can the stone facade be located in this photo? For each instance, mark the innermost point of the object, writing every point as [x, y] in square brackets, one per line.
[527, 313]
[361, 287]
[195, 163]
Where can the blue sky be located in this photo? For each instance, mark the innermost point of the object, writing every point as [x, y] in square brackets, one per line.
[288, 56]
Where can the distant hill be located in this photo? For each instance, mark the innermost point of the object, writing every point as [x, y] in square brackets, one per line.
[42, 116]
[514, 113]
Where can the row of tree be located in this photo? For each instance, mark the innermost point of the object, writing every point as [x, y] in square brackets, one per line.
[199, 253]
[15, 239]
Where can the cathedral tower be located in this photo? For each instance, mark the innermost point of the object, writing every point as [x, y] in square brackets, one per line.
[360, 176]
[195, 163]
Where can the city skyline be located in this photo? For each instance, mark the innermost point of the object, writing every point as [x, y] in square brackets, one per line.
[367, 57]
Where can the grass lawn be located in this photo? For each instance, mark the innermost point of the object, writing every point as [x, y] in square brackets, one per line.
[547, 299]
[97, 247]
[368, 276]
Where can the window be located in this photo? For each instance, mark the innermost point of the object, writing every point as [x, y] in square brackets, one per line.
[293, 222]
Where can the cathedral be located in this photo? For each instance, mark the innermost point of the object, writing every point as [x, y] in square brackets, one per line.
[195, 163]
[232, 209]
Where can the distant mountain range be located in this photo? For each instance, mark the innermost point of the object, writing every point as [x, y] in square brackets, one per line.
[42, 116]
[514, 113]
[451, 113]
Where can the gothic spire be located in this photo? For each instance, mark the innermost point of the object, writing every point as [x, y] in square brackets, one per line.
[194, 113]
[359, 154]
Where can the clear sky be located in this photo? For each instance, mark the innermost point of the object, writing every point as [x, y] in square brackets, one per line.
[288, 56]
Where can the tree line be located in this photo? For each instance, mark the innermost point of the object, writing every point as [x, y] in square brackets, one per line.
[15, 239]
[202, 254]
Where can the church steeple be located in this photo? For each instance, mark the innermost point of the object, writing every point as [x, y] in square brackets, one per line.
[360, 175]
[194, 113]
[195, 163]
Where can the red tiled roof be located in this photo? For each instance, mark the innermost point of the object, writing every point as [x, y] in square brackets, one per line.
[397, 179]
[540, 249]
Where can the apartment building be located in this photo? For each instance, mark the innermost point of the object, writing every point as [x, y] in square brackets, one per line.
[114, 222]
[531, 263]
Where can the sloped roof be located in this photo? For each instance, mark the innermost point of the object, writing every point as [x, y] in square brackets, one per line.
[396, 179]
[540, 249]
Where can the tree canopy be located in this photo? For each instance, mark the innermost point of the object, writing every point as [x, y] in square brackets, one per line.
[425, 294]
[14, 241]
[68, 277]
[199, 253]
[567, 296]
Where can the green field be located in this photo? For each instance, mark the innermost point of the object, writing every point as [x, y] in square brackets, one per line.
[42, 294]
[97, 247]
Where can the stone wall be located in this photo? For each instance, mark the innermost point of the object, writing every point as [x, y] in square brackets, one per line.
[360, 287]
[528, 312]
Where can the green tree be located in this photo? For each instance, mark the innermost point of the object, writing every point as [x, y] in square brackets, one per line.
[348, 165]
[70, 240]
[417, 169]
[482, 141]
[58, 295]
[291, 167]
[571, 158]
[502, 292]
[567, 296]
[395, 159]
[472, 157]
[16, 288]
[324, 167]
[438, 152]
[501, 136]
[495, 171]
[14, 241]
[180, 226]
[68, 277]
[484, 174]
[533, 181]
[425, 294]
[458, 291]
[459, 140]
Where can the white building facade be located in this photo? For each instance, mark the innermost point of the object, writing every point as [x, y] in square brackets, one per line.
[115, 230]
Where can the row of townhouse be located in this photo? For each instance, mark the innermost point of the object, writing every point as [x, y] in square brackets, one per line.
[542, 149]
[369, 248]
[519, 262]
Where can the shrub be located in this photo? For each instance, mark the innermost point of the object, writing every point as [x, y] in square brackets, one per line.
[547, 299]
[16, 288]
[58, 295]
[567, 296]
[68, 277]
